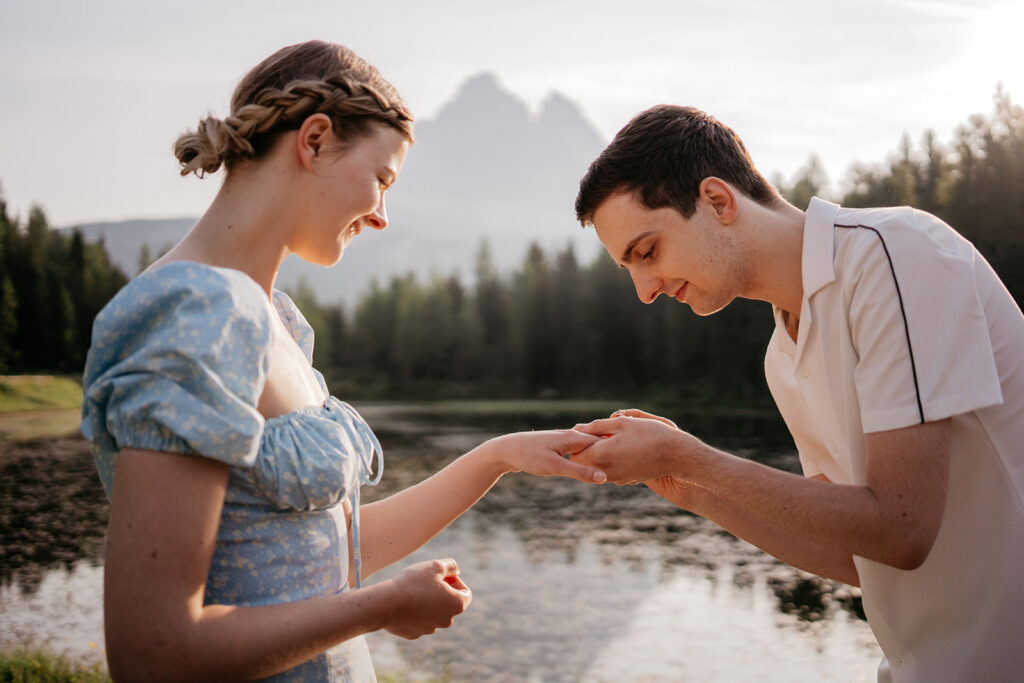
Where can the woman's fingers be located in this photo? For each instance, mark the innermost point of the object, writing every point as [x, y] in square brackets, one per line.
[457, 583]
[447, 567]
[449, 570]
[572, 443]
[578, 471]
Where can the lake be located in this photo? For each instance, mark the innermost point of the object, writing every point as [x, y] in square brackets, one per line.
[571, 582]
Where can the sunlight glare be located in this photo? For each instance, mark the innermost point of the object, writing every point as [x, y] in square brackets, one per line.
[996, 53]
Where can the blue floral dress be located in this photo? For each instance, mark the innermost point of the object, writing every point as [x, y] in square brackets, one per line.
[178, 362]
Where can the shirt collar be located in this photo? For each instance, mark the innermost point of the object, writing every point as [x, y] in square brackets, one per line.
[817, 261]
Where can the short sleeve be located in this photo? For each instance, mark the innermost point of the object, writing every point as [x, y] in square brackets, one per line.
[918, 326]
[178, 362]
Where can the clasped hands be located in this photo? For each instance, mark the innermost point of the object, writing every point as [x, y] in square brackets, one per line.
[629, 447]
[634, 447]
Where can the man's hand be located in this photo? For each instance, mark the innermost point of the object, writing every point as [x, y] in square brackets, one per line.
[636, 447]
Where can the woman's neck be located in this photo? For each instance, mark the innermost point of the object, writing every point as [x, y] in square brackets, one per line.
[246, 228]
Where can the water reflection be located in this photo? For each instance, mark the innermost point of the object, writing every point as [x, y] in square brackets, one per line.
[606, 583]
[571, 582]
[52, 509]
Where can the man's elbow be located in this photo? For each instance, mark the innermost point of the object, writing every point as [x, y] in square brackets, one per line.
[912, 550]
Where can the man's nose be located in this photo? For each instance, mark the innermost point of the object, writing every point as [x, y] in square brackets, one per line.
[647, 288]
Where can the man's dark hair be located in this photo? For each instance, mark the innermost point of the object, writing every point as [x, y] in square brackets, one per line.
[663, 154]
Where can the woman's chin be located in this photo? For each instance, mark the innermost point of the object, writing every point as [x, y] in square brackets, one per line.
[325, 258]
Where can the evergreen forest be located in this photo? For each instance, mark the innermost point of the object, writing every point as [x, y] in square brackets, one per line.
[555, 327]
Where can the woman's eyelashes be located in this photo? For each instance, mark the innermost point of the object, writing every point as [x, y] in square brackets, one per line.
[647, 255]
[386, 180]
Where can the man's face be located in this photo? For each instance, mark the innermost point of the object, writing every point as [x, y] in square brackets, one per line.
[694, 260]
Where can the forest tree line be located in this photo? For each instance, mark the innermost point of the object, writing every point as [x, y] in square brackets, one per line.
[561, 328]
[554, 326]
[52, 285]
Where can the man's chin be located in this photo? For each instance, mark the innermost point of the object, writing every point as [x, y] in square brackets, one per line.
[705, 308]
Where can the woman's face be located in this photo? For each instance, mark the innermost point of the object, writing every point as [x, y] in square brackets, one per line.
[349, 192]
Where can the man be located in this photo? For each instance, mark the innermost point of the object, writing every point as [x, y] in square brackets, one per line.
[897, 363]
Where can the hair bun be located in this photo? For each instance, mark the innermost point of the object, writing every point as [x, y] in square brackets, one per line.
[214, 143]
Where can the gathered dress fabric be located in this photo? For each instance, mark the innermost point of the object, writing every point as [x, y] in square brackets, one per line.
[178, 362]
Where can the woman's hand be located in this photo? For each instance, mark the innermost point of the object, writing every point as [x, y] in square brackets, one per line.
[428, 596]
[546, 454]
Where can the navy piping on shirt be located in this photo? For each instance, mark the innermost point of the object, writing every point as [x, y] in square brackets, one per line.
[903, 313]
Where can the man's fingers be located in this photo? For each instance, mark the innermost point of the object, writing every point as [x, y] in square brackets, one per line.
[574, 441]
[599, 427]
[634, 412]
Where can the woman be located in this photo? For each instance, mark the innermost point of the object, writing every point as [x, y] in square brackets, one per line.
[235, 527]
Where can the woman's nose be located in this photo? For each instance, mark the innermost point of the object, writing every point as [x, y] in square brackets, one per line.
[378, 220]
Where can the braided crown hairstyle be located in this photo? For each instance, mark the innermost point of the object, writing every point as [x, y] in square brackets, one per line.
[281, 92]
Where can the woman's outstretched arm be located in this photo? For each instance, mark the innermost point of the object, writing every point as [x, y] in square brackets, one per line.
[396, 526]
[164, 516]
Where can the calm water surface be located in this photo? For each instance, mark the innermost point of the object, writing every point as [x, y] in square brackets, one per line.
[571, 582]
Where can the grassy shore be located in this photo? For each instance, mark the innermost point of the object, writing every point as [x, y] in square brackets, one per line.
[40, 666]
[34, 406]
[23, 393]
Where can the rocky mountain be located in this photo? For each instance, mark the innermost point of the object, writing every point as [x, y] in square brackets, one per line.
[484, 168]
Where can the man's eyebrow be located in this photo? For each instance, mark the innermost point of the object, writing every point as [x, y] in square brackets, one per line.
[628, 253]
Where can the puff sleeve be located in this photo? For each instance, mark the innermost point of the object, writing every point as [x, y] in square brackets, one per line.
[178, 362]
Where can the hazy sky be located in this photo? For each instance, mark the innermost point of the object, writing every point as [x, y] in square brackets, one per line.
[94, 93]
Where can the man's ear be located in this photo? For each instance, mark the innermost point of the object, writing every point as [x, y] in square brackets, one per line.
[313, 137]
[720, 196]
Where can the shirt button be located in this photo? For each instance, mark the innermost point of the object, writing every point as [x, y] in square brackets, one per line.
[805, 373]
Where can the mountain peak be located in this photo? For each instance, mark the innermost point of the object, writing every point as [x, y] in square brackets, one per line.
[484, 81]
[559, 110]
[480, 97]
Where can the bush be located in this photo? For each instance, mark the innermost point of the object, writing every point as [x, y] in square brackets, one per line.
[40, 666]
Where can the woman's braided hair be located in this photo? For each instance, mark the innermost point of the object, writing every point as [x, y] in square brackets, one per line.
[281, 92]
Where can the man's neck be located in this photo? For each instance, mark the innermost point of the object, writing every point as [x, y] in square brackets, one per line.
[776, 237]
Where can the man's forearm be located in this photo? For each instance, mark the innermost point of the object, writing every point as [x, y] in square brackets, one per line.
[765, 534]
[878, 521]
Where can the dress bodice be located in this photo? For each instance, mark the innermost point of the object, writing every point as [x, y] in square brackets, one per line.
[178, 362]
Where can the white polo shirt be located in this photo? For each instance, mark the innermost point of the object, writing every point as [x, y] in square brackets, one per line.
[902, 322]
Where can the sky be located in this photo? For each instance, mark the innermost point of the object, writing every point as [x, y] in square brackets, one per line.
[94, 93]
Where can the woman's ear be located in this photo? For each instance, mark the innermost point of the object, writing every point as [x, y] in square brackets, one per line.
[720, 196]
[314, 134]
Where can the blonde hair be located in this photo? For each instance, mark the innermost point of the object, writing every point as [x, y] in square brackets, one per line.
[281, 92]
